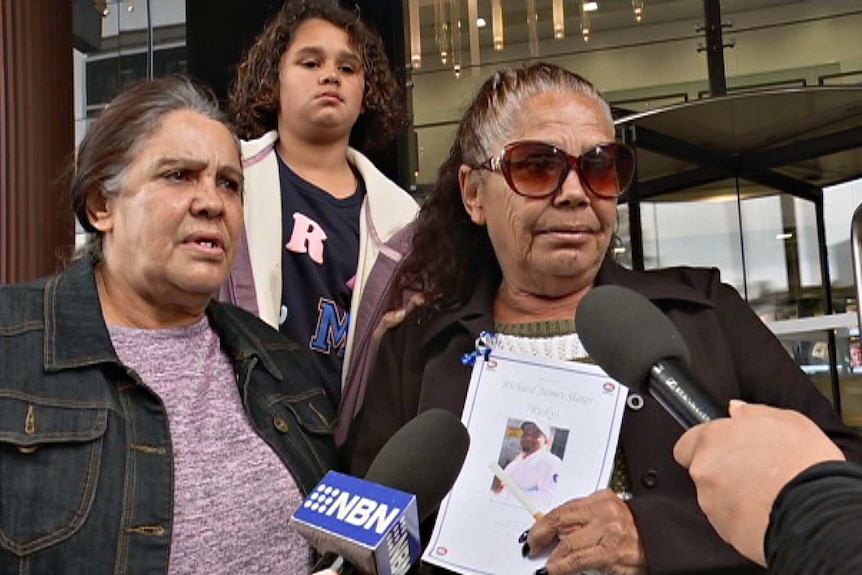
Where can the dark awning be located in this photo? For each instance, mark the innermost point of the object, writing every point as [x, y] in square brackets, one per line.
[796, 140]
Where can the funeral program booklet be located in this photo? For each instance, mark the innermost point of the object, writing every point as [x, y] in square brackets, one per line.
[552, 427]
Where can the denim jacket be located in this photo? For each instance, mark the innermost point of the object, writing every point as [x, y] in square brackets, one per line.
[86, 463]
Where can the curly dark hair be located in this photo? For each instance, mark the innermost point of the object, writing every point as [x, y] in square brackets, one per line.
[450, 254]
[253, 98]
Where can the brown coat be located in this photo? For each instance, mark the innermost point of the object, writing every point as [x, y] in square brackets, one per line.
[733, 354]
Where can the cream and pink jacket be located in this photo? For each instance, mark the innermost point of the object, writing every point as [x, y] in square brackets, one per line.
[255, 282]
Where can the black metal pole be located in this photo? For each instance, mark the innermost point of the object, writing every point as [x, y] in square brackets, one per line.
[150, 71]
[629, 136]
[832, 344]
[714, 47]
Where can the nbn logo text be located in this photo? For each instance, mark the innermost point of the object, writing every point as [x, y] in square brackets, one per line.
[352, 509]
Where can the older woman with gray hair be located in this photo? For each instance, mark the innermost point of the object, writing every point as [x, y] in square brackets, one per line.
[145, 428]
[516, 232]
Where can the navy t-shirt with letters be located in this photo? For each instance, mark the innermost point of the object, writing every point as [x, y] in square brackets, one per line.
[321, 248]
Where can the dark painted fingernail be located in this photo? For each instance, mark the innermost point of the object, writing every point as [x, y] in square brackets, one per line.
[523, 537]
[541, 571]
[525, 550]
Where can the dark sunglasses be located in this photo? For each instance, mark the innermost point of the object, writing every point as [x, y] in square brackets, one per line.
[537, 170]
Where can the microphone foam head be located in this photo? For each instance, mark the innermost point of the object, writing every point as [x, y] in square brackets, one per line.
[626, 334]
[423, 458]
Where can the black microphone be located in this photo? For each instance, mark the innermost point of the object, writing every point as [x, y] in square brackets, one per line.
[423, 458]
[636, 344]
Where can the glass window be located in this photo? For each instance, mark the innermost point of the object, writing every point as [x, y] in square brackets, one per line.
[698, 228]
[106, 76]
[764, 243]
[169, 61]
[782, 260]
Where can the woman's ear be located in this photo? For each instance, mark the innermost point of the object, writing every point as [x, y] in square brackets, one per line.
[469, 182]
[99, 211]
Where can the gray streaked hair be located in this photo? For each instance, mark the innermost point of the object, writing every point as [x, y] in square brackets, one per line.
[493, 114]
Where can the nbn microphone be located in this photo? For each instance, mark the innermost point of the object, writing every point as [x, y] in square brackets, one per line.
[375, 528]
[357, 519]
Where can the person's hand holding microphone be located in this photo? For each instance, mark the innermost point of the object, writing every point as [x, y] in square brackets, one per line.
[740, 464]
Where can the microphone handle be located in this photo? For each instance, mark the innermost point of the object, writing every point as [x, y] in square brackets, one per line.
[675, 390]
[336, 563]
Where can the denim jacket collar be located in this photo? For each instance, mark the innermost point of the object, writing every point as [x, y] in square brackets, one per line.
[242, 340]
[76, 334]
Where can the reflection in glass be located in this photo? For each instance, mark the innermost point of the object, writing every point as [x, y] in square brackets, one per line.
[764, 243]
[695, 229]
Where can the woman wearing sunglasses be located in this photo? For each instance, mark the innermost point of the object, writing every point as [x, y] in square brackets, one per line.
[517, 230]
